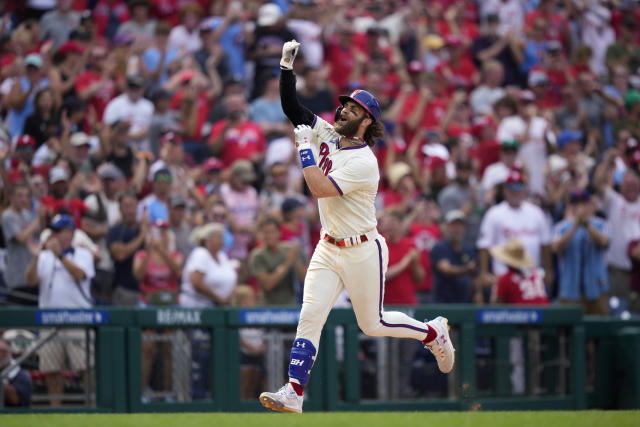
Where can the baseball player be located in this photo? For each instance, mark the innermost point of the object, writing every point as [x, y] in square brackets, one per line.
[351, 254]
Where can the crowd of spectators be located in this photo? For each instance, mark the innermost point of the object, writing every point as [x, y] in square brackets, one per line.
[146, 160]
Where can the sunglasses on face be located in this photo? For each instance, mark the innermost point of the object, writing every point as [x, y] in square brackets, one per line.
[515, 186]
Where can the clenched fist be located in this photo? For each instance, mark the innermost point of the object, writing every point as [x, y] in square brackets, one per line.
[289, 52]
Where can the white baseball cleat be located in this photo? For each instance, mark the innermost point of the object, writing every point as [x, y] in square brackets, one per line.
[284, 400]
[441, 347]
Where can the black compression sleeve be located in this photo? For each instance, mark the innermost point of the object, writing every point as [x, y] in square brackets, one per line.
[296, 112]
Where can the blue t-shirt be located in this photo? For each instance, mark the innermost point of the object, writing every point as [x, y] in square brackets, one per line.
[151, 58]
[17, 118]
[24, 388]
[451, 289]
[123, 270]
[232, 42]
[262, 110]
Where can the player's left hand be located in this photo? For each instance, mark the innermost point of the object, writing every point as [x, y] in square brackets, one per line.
[289, 52]
[303, 134]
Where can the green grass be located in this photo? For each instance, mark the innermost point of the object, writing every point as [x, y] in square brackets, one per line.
[339, 419]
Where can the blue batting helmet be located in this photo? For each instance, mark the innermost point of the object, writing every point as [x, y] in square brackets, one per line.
[365, 100]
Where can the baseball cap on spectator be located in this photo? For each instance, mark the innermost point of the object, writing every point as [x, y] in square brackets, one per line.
[635, 157]
[537, 78]
[202, 233]
[435, 150]
[71, 47]
[527, 96]
[212, 164]
[160, 223]
[171, 138]
[78, 139]
[569, 135]
[33, 60]
[436, 162]
[243, 169]
[58, 174]
[631, 99]
[269, 14]
[134, 3]
[416, 66]
[515, 181]
[630, 145]
[25, 141]
[453, 40]
[510, 144]
[162, 175]
[110, 171]
[208, 24]
[176, 200]
[396, 172]
[62, 222]
[290, 204]
[135, 80]
[454, 215]
[579, 196]
[479, 124]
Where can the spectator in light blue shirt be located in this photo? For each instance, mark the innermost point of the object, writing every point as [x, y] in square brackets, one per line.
[153, 55]
[580, 241]
[266, 110]
[22, 94]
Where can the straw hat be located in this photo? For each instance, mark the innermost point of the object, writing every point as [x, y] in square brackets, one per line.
[513, 254]
[202, 233]
[396, 172]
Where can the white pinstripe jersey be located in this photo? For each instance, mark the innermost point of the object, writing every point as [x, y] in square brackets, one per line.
[354, 172]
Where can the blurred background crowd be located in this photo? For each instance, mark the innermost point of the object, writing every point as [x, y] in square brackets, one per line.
[146, 160]
[153, 131]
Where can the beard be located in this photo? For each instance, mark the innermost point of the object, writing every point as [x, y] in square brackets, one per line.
[347, 127]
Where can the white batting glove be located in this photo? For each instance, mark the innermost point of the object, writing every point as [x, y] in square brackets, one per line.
[289, 52]
[303, 134]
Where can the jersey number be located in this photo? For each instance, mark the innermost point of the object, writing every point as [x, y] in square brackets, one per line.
[325, 163]
[532, 288]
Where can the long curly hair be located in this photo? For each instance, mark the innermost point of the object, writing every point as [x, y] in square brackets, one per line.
[374, 132]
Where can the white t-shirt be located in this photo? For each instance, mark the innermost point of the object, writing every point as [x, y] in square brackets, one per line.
[219, 276]
[184, 41]
[58, 289]
[354, 173]
[533, 151]
[494, 174]
[137, 113]
[310, 35]
[624, 221]
[527, 223]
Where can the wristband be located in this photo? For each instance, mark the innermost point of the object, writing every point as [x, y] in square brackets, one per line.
[306, 158]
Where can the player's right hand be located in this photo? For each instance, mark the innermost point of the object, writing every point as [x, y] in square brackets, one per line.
[289, 52]
[303, 134]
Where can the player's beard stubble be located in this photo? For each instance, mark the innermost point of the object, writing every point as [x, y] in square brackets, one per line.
[347, 127]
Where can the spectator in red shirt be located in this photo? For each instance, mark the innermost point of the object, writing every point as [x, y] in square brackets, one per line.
[341, 59]
[57, 200]
[405, 271]
[522, 284]
[98, 85]
[235, 137]
[458, 72]
[424, 230]
[108, 15]
[557, 26]
[558, 71]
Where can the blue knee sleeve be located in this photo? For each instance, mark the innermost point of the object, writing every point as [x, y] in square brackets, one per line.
[303, 354]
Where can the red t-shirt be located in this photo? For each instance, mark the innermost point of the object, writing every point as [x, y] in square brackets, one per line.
[104, 9]
[555, 23]
[487, 152]
[74, 207]
[424, 237]
[202, 111]
[157, 277]
[432, 115]
[514, 288]
[462, 73]
[342, 62]
[101, 98]
[401, 290]
[557, 81]
[240, 141]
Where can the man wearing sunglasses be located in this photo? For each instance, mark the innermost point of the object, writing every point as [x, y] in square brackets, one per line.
[514, 218]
